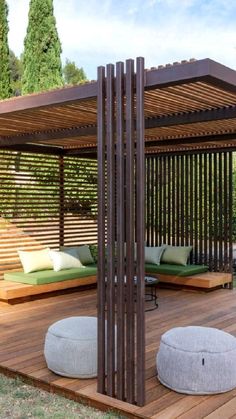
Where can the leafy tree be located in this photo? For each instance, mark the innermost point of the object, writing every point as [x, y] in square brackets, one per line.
[42, 50]
[73, 74]
[5, 84]
[16, 70]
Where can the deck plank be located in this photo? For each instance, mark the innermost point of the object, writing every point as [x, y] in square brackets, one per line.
[23, 328]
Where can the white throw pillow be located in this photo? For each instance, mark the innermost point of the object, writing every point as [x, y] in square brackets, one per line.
[67, 259]
[153, 254]
[36, 260]
[83, 253]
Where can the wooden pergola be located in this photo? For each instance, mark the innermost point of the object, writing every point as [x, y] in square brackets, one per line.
[163, 139]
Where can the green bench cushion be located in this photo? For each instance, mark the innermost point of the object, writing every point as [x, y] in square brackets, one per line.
[178, 270]
[50, 276]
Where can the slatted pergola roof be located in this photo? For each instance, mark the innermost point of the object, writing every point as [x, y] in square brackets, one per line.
[187, 105]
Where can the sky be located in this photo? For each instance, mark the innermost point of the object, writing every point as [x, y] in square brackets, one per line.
[95, 33]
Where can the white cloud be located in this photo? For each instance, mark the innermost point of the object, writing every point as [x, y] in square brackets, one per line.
[94, 33]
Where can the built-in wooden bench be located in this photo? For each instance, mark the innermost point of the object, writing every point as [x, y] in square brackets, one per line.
[10, 290]
[203, 280]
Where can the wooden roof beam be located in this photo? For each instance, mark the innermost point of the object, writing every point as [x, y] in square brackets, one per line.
[55, 97]
[191, 140]
[183, 152]
[205, 69]
[191, 117]
[35, 148]
[48, 135]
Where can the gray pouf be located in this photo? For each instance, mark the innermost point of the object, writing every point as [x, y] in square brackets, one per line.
[197, 360]
[71, 347]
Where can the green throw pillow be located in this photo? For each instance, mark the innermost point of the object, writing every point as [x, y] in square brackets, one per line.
[176, 255]
[83, 253]
[94, 251]
[153, 254]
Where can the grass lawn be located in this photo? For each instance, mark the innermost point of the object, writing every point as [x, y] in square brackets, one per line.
[19, 401]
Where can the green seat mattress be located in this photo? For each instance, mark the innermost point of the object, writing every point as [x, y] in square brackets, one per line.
[49, 276]
[178, 270]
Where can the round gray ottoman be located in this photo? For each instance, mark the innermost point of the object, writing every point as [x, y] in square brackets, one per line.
[197, 360]
[71, 347]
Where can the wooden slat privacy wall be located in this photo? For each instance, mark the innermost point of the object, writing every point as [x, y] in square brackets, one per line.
[37, 210]
[121, 168]
[189, 202]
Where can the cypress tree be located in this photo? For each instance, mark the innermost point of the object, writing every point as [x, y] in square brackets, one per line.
[5, 82]
[42, 69]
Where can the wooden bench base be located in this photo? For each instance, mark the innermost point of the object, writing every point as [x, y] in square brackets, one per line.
[205, 280]
[10, 290]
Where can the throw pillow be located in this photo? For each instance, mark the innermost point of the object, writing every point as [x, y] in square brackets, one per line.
[176, 255]
[65, 260]
[83, 253]
[94, 251]
[35, 260]
[153, 254]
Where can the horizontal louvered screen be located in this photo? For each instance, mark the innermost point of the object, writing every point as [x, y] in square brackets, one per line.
[189, 203]
[80, 201]
[35, 208]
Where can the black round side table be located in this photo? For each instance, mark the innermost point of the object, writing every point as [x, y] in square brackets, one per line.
[151, 284]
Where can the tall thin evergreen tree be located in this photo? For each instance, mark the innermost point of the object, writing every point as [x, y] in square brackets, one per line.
[5, 82]
[42, 69]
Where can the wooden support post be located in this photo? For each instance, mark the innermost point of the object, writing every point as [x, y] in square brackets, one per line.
[121, 206]
[140, 226]
[120, 224]
[101, 230]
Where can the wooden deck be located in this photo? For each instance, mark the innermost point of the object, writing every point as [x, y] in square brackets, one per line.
[23, 328]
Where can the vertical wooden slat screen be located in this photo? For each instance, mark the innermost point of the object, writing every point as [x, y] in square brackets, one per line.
[198, 208]
[121, 181]
[61, 201]
[230, 213]
[101, 232]
[45, 201]
[140, 229]
[120, 205]
[111, 271]
[130, 230]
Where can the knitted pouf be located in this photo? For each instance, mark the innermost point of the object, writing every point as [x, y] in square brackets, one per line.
[197, 360]
[71, 347]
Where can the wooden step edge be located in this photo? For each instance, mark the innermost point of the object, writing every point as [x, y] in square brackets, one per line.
[211, 280]
[85, 395]
[18, 290]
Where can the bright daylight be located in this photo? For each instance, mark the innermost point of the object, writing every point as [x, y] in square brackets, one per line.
[117, 209]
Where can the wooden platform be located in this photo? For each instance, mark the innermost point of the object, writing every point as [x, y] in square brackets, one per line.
[10, 290]
[205, 280]
[23, 327]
